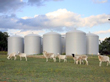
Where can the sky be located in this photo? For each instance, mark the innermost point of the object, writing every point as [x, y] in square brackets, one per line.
[23, 17]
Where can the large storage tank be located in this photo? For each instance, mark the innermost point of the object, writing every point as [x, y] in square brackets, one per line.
[15, 44]
[32, 44]
[75, 42]
[52, 42]
[92, 44]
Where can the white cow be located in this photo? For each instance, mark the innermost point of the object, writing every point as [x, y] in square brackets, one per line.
[21, 55]
[80, 58]
[12, 55]
[103, 59]
[49, 55]
[64, 57]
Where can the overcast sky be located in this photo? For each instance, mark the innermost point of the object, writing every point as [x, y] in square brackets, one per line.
[23, 17]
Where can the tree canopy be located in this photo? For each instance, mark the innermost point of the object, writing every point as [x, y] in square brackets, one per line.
[3, 41]
[104, 47]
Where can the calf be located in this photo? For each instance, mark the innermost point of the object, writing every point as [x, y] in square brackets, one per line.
[49, 55]
[22, 55]
[12, 55]
[80, 58]
[64, 57]
[103, 59]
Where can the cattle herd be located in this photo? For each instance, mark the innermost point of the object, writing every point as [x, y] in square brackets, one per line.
[77, 58]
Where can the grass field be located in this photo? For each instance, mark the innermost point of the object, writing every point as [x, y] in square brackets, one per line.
[37, 70]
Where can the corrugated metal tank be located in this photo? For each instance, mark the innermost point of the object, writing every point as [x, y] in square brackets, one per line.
[63, 44]
[52, 42]
[15, 44]
[32, 44]
[75, 42]
[92, 43]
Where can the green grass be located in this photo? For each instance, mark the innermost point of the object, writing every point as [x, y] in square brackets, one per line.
[3, 52]
[37, 70]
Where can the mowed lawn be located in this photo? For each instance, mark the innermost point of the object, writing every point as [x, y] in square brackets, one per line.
[37, 70]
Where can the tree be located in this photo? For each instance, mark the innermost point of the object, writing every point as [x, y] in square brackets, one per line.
[104, 47]
[3, 41]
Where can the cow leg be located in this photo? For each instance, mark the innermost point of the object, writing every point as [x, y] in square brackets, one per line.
[54, 59]
[76, 61]
[59, 60]
[14, 57]
[107, 63]
[26, 58]
[100, 63]
[80, 61]
[46, 59]
[86, 61]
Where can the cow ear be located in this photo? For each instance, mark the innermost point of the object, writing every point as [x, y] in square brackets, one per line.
[73, 55]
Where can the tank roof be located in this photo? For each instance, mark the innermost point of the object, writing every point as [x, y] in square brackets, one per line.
[76, 31]
[50, 33]
[16, 36]
[32, 35]
[91, 34]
